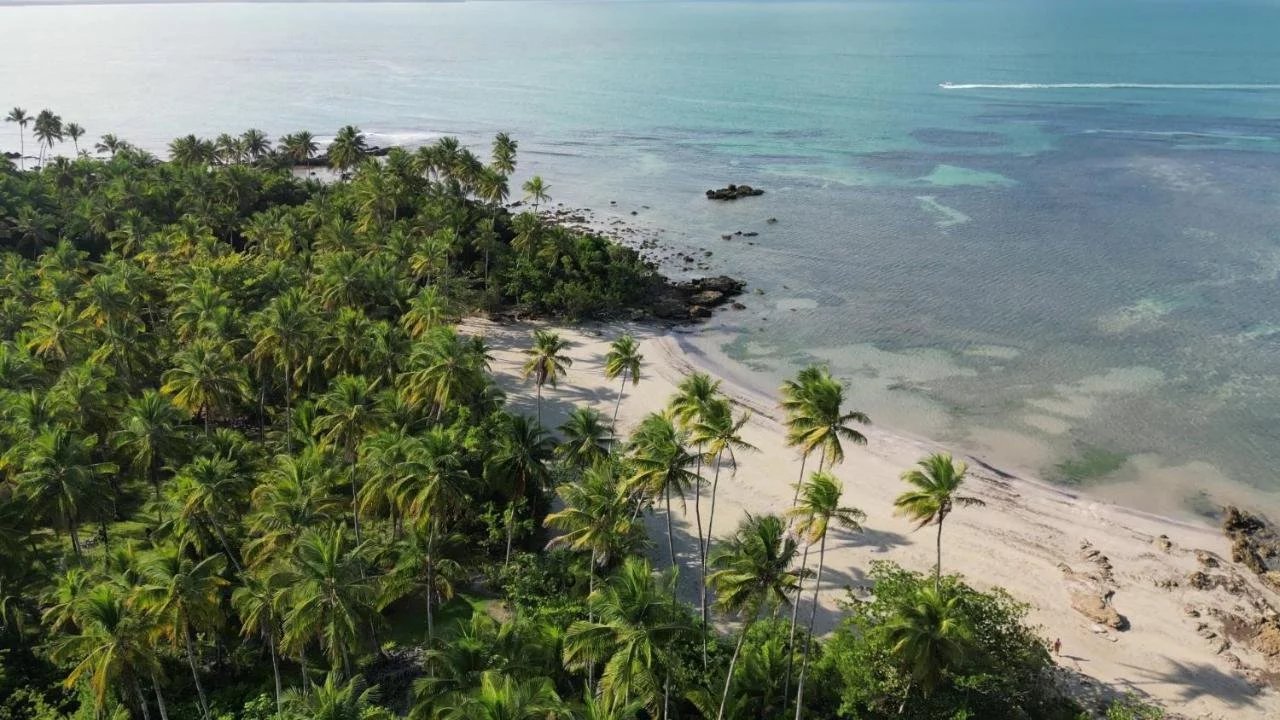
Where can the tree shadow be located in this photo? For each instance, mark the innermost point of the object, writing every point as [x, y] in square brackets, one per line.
[879, 541]
[1197, 680]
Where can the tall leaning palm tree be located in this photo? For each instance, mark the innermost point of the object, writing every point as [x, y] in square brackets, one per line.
[547, 361]
[183, 597]
[660, 464]
[75, 131]
[752, 575]
[348, 149]
[817, 420]
[519, 463]
[935, 482]
[257, 602]
[22, 119]
[504, 153]
[48, 130]
[818, 509]
[623, 360]
[536, 190]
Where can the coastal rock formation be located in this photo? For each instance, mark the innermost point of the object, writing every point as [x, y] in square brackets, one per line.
[733, 192]
[1255, 542]
[322, 160]
[694, 299]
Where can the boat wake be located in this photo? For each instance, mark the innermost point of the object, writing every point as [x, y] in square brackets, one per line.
[1109, 86]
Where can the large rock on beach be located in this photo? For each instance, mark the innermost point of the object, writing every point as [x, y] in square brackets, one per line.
[1255, 542]
[733, 192]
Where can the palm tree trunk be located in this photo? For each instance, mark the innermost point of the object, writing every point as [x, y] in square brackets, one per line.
[142, 700]
[795, 498]
[302, 665]
[164, 711]
[813, 614]
[288, 409]
[591, 590]
[937, 569]
[702, 556]
[204, 412]
[711, 516]
[733, 662]
[275, 670]
[431, 581]
[355, 509]
[539, 404]
[511, 526]
[195, 674]
[795, 614]
[75, 537]
[671, 544]
[226, 547]
[613, 425]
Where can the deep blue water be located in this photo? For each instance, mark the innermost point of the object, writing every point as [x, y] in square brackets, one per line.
[1077, 261]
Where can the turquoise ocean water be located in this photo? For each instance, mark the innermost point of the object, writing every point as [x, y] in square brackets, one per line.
[1046, 231]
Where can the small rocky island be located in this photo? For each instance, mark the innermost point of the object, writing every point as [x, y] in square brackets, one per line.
[693, 300]
[733, 192]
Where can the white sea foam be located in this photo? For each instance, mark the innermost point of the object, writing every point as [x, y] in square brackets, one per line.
[1109, 86]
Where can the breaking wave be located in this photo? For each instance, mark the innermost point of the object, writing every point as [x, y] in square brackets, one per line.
[1109, 86]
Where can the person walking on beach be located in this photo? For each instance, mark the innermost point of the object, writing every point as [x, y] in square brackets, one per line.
[1057, 646]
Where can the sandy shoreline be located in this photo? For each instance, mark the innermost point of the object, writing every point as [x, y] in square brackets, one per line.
[1033, 539]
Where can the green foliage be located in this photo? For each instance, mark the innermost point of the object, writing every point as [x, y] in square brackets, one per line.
[1131, 708]
[998, 668]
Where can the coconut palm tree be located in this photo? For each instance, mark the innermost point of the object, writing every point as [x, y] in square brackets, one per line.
[795, 400]
[330, 598]
[256, 143]
[752, 574]
[183, 597]
[20, 116]
[110, 144]
[208, 493]
[936, 482]
[818, 509]
[109, 648]
[596, 518]
[504, 153]
[47, 130]
[284, 333]
[443, 367]
[257, 602]
[60, 478]
[348, 149]
[291, 496]
[547, 361]
[205, 380]
[927, 635]
[348, 413]
[660, 462]
[536, 190]
[502, 697]
[637, 622]
[623, 360]
[520, 462]
[333, 700]
[299, 147]
[816, 419]
[75, 132]
[151, 434]
[585, 438]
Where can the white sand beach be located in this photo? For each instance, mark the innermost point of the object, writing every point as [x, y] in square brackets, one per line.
[1027, 539]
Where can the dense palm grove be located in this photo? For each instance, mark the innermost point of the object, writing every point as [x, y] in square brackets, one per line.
[251, 469]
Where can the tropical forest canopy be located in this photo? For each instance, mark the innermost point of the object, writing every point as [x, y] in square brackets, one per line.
[252, 469]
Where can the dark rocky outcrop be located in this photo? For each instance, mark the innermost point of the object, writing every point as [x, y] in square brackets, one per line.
[1255, 542]
[694, 299]
[322, 160]
[733, 192]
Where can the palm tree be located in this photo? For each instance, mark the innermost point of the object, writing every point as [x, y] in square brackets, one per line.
[205, 380]
[75, 132]
[60, 478]
[927, 635]
[299, 147]
[623, 360]
[257, 602]
[637, 622]
[443, 367]
[256, 143]
[817, 421]
[936, 481]
[660, 462]
[596, 518]
[209, 493]
[819, 507]
[523, 450]
[348, 149]
[48, 130]
[795, 404]
[20, 116]
[183, 597]
[334, 700]
[151, 433]
[547, 361]
[291, 496]
[284, 334]
[586, 439]
[536, 190]
[502, 697]
[504, 153]
[330, 597]
[110, 647]
[349, 412]
[753, 574]
[110, 144]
